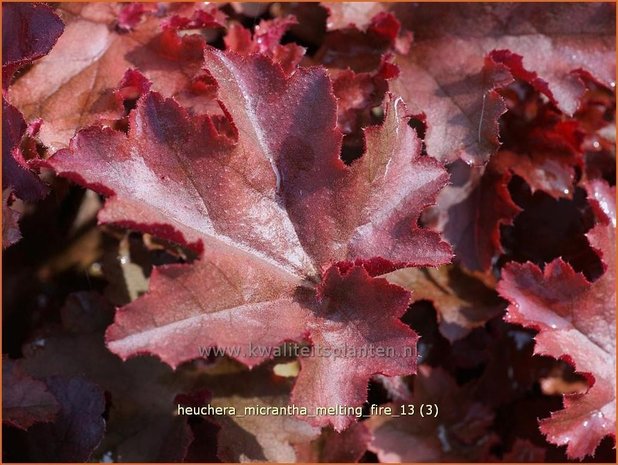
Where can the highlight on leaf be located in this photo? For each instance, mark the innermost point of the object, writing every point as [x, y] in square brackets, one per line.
[271, 209]
[291, 232]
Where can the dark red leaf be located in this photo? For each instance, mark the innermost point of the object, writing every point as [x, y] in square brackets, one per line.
[141, 391]
[472, 210]
[524, 451]
[273, 231]
[576, 321]
[199, 18]
[443, 74]
[25, 400]
[360, 36]
[462, 300]
[79, 428]
[541, 145]
[345, 324]
[460, 432]
[266, 40]
[16, 174]
[74, 85]
[29, 31]
[358, 94]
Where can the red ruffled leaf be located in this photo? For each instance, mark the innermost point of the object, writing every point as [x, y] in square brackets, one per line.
[270, 231]
[541, 145]
[199, 18]
[471, 211]
[358, 94]
[294, 157]
[541, 172]
[443, 74]
[286, 198]
[576, 321]
[29, 31]
[74, 85]
[345, 325]
[362, 47]
[266, 40]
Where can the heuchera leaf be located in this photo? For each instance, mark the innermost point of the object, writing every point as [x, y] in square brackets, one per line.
[510, 368]
[471, 211]
[16, 174]
[265, 39]
[141, 391]
[362, 48]
[25, 400]
[460, 432]
[357, 95]
[600, 133]
[271, 222]
[29, 31]
[251, 438]
[208, 16]
[270, 209]
[73, 86]
[79, 427]
[541, 145]
[576, 321]
[443, 74]
[462, 300]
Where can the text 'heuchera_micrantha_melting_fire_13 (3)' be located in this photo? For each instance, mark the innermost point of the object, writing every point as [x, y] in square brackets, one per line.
[430, 187]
